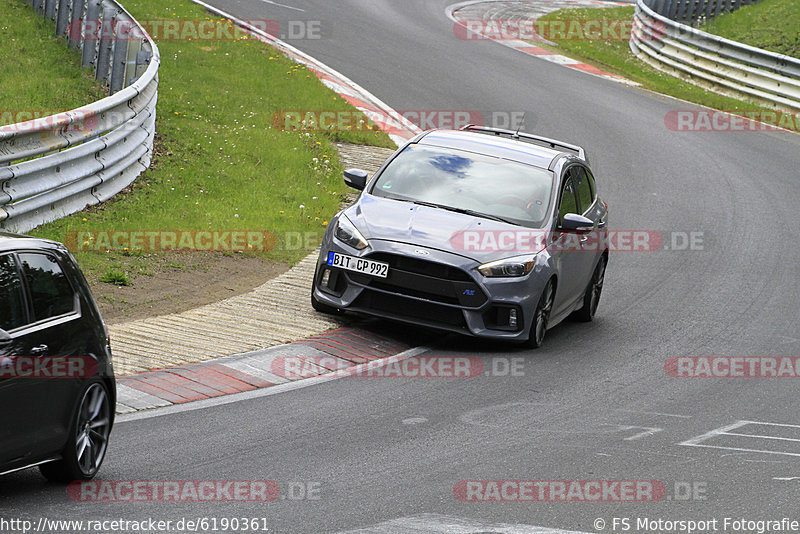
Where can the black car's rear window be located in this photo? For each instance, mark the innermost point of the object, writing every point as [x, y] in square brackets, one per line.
[12, 305]
[508, 189]
[51, 292]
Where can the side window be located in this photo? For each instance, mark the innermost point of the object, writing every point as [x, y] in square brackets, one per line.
[50, 291]
[583, 187]
[591, 181]
[568, 202]
[12, 305]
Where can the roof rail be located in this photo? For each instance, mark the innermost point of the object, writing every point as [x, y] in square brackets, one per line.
[552, 143]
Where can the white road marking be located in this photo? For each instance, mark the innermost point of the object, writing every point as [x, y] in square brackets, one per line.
[726, 431]
[282, 5]
[647, 431]
[414, 421]
[658, 413]
[443, 524]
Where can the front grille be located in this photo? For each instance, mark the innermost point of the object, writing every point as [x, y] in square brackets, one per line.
[416, 310]
[419, 266]
[424, 279]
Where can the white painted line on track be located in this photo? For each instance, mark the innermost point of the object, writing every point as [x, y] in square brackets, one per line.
[283, 5]
[701, 441]
[444, 524]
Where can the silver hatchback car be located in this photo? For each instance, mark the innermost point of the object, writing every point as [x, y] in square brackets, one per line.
[486, 232]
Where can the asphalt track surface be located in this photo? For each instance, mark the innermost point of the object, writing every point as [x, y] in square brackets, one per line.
[595, 403]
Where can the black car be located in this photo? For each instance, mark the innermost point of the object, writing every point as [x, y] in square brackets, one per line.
[57, 387]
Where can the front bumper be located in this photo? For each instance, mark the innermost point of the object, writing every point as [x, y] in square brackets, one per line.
[433, 288]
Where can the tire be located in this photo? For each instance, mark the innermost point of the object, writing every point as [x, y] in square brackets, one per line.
[88, 437]
[591, 298]
[541, 316]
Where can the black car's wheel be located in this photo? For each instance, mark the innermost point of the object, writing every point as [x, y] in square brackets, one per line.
[592, 296]
[541, 316]
[88, 438]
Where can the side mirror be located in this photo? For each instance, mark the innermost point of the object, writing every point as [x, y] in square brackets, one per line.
[356, 178]
[572, 222]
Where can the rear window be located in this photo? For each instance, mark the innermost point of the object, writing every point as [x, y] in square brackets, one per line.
[458, 179]
[51, 293]
[12, 306]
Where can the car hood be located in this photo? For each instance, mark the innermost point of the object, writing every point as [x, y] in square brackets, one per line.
[472, 237]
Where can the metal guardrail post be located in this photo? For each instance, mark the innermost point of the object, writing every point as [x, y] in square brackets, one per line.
[75, 15]
[106, 42]
[62, 17]
[142, 60]
[120, 54]
[50, 9]
[91, 31]
[38, 6]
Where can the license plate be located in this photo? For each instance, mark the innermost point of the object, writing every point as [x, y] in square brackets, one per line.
[359, 265]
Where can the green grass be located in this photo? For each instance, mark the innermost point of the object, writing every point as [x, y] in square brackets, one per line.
[771, 24]
[614, 55]
[38, 74]
[116, 277]
[219, 162]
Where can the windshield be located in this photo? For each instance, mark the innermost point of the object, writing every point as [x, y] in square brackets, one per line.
[465, 181]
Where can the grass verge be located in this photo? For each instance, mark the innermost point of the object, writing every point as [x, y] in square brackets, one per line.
[613, 55]
[219, 164]
[38, 74]
[770, 24]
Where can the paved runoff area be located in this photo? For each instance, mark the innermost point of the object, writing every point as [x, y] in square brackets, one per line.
[276, 313]
[337, 350]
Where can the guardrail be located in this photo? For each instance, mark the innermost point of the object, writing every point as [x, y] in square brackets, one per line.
[59, 164]
[718, 64]
[693, 12]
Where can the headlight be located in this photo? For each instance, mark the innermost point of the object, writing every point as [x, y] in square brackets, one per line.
[346, 232]
[516, 266]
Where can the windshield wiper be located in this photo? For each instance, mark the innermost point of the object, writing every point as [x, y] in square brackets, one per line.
[465, 211]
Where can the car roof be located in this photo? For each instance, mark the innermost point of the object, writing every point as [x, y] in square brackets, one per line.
[493, 145]
[12, 241]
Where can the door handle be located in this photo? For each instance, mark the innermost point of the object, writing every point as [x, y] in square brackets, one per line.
[41, 349]
[601, 223]
[584, 239]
